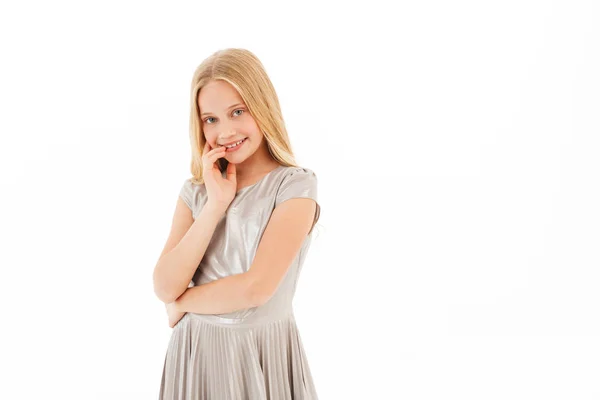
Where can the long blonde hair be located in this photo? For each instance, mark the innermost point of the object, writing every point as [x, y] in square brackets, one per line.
[244, 71]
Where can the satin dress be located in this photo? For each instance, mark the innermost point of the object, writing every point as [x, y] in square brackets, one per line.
[250, 354]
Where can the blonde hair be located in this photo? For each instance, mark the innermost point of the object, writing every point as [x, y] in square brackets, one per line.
[244, 71]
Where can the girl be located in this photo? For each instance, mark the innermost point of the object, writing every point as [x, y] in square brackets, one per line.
[239, 236]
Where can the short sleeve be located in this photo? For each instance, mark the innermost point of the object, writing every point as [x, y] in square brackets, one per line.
[186, 193]
[299, 183]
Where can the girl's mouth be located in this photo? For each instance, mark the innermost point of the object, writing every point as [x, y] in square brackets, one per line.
[236, 147]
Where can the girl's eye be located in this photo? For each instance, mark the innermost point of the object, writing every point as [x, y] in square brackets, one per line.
[206, 119]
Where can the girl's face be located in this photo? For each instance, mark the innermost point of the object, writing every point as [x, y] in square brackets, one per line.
[226, 120]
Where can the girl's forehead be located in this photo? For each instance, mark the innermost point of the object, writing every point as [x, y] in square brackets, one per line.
[219, 95]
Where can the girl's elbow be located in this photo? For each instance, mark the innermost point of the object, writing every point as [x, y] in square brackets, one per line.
[165, 294]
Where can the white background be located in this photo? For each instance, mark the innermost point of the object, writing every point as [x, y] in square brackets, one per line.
[456, 146]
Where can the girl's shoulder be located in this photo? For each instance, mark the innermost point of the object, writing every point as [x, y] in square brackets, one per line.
[283, 183]
[285, 174]
[296, 182]
[289, 171]
[193, 194]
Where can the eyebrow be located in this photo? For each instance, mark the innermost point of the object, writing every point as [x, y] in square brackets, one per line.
[228, 108]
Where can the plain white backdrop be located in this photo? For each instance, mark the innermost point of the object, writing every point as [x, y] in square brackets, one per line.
[457, 150]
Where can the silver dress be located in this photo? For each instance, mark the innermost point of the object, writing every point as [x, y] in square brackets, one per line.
[255, 353]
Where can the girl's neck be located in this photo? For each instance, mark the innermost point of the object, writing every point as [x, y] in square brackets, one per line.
[246, 174]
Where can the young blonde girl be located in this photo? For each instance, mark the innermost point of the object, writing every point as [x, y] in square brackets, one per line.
[239, 236]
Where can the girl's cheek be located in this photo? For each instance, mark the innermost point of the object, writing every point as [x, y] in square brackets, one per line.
[211, 140]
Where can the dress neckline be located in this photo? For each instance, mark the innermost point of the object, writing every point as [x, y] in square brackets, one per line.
[260, 180]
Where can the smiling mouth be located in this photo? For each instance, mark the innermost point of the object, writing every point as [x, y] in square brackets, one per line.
[233, 146]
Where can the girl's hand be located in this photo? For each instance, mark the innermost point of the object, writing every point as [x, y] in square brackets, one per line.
[173, 314]
[221, 191]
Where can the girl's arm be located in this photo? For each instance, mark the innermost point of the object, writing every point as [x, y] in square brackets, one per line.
[184, 249]
[173, 315]
[282, 239]
[221, 296]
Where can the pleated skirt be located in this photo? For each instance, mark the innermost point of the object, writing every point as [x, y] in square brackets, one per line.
[210, 360]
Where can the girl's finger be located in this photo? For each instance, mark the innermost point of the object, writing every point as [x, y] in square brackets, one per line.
[213, 152]
[218, 151]
[231, 172]
[212, 158]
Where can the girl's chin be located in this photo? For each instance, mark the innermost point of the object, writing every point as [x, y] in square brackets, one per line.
[234, 157]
